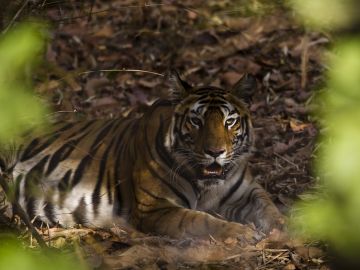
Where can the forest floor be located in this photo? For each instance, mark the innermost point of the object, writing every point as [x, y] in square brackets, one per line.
[99, 64]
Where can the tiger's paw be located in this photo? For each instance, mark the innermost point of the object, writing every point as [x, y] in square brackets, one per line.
[276, 222]
[244, 234]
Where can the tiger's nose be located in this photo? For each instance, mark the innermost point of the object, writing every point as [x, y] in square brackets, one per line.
[214, 152]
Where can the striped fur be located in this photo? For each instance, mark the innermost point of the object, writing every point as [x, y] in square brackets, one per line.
[180, 169]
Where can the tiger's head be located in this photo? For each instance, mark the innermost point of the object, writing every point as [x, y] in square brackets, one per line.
[210, 130]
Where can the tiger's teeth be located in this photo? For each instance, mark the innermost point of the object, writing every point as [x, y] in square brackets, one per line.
[212, 170]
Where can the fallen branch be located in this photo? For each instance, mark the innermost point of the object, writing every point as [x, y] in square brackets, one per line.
[122, 70]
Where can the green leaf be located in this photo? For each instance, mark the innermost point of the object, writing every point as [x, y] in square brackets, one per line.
[20, 110]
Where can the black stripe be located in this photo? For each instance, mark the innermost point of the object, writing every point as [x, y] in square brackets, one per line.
[153, 222]
[151, 194]
[180, 224]
[64, 182]
[182, 119]
[203, 99]
[209, 90]
[32, 179]
[232, 112]
[250, 199]
[121, 134]
[50, 212]
[64, 152]
[30, 207]
[102, 134]
[246, 125]
[233, 212]
[185, 137]
[160, 103]
[118, 200]
[79, 215]
[118, 151]
[102, 168]
[81, 129]
[17, 186]
[219, 103]
[86, 161]
[31, 151]
[159, 146]
[154, 173]
[234, 188]
[2, 165]
[162, 215]
[29, 148]
[240, 207]
[108, 188]
[173, 189]
[65, 127]
[35, 173]
[213, 107]
[167, 158]
[154, 210]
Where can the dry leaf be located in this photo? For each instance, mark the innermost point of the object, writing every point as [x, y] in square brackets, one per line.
[105, 31]
[59, 242]
[230, 241]
[48, 86]
[192, 15]
[231, 77]
[297, 125]
[290, 266]
[94, 84]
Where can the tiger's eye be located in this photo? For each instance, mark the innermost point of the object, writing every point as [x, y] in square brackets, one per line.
[230, 121]
[195, 121]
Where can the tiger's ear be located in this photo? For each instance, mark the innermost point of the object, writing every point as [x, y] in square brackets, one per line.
[178, 88]
[244, 88]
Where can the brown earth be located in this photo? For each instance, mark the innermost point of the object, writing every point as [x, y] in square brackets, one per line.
[106, 58]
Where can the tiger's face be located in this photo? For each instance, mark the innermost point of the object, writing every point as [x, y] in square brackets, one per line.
[211, 131]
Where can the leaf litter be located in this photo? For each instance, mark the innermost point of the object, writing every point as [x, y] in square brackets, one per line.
[212, 42]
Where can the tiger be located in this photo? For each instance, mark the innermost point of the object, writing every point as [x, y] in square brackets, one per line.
[179, 170]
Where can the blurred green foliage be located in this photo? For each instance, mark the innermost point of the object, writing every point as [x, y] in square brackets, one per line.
[324, 14]
[14, 256]
[333, 215]
[20, 50]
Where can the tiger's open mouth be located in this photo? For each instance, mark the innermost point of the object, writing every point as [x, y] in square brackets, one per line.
[212, 171]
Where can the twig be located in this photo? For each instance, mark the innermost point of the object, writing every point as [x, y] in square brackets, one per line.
[108, 9]
[21, 213]
[276, 250]
[122, 70]
[91, 10]
[233, 257]
[272, 259]
[288, 161]
[15, 17]
[304, 60]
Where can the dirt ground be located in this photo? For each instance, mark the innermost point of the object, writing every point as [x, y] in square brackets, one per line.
[107, 58]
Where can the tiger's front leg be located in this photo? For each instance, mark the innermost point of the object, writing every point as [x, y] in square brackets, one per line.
[255, 207]
[180, 222]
